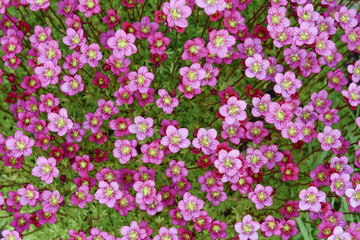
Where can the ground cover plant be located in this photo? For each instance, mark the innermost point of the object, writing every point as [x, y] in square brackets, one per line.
[179, 120]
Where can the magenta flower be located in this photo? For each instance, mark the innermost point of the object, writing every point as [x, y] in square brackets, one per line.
[270, 227]
[60, 123]
[329, 138]
[175, 139]
[336, 79]
[234, 110]
[256, 67]
[166, 102]
[311, 199]
[220, 41]
[295, 56]
[67, 7]
[111, 19]
[93, 121]
[51, 201]
[41, 35]
[190, 206]
[305, 34]
[120, 126]
[233, 132]
[352, 94]
[158, 43]
[19, 145]
[82, 165]
[249, 47]
[49, 52]
[125, 203]
[307, 14]
[142, 127]
[124, 42]
[45, 169]
[247, 229]
[107, 108]
[74, 62]
[340, 183]
[152, 153]
[145, 28]
[206, 140]
[82, 197]
[74, 38]
[261, 196]
[21, 222]
[134, 232]
[293, 131]
[194, 50]
[91, 53]
[108, 193]
[140, 80]
[211, 7]
[89, 7]
[255, 131]
[288, 228]
[125, 150]
[124, 95]
[72, 85]
[176, 171]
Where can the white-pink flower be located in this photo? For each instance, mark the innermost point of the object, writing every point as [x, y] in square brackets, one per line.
[45, 169]
[234, 110]
[60, 122]
[175, 139]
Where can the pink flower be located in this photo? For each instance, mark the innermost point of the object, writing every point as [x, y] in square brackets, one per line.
[89, 7]
[220, 41]
[346, 17]
[123, 42]
[305, 34]
[166, 102]
[152, 153]
[340, 234]
[133, 232]
[145, 191]
[190, 206]
[336, 79]
[74, 38]
[311, 199]
[82, 165]
[51, 201]
[279, 115]
[192, 76]
[72, 85]
[211, 7]
[93, 121]
[48, 74]
[124, 150]
[142, 127]
[60, 123]
[293, 131]
[107, 108]
[91, 53]
[323, 44]
[270, 227]
[82, 197]
[108, 193]
[233, 132]
[10, 235]
[355, 71]
[37, 5]
[28, 195]
[140, 80]
[352, 94]
[276, 19]
[175, 139]
[234, 110]
[260, 105]
[19, 145]
[330, 138]
[307, 14]
[249, 47]
[168, 234]
[176, 12]
[353, 195]
[256, 67]
[256, 159]
[45, 169]
[247, 229]
[49, 52]
[261, 196]
[206, 140]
